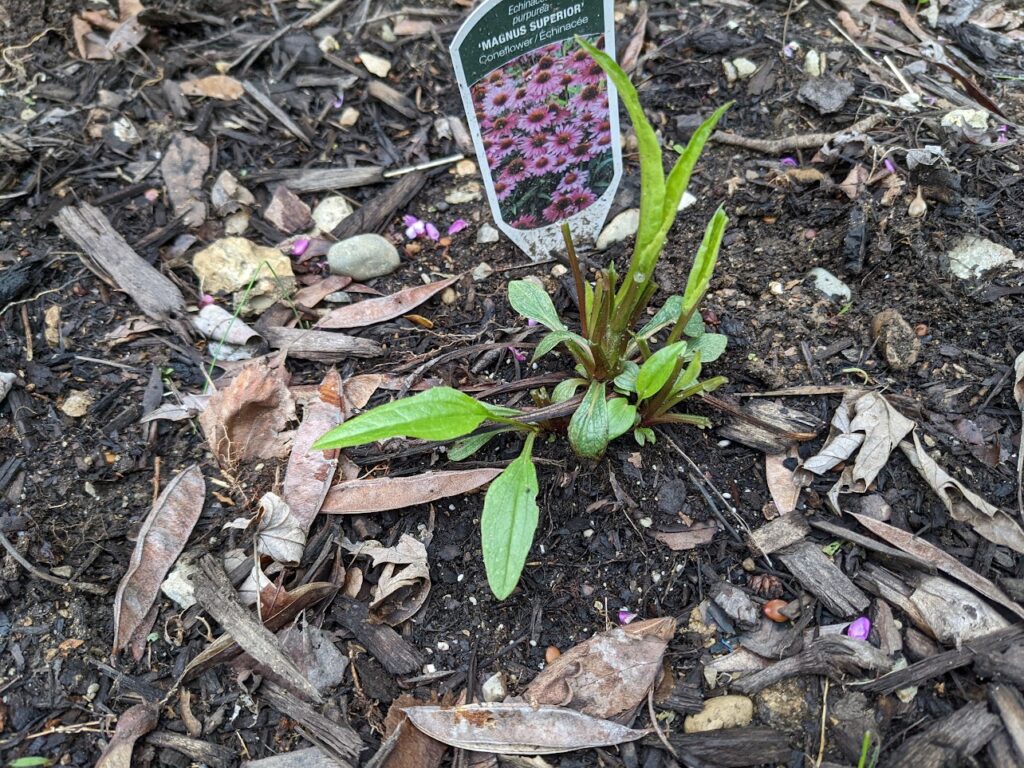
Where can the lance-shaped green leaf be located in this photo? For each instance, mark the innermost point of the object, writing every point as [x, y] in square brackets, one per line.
[626, 381]
[508, 522]
[663, 318]
[566, 389]
[467, 446]
[657, 369]
[441, 413]
[621, 417]
[679, 177]
[704, 264]
[689, 375]
[588, 427]
[532, 301]
[710, 345]
[574, 341]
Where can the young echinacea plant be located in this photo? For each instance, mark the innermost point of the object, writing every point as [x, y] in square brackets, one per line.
[632, 379]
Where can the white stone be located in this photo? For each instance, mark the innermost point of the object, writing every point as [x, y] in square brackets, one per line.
[721, 712]
[814, 64]
[493, 689]
[482, 271]
[469, 192]
[363, 257]
[375, 65]
[829, 284]
[744, 67]
[622, 226]
[330, 212]
[487, 234]
[686, 201]
[973, 255]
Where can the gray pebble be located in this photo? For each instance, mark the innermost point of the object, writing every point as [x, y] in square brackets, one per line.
[363, 257]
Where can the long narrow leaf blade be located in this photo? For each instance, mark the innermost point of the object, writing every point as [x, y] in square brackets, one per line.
[679, 177]
[657, 369]
[531, 301]
[704, 264]
[442, 413]
[588, 427]
[508, 522]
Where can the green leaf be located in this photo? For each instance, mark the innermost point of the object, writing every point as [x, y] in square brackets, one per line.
[710, 345]
[657, 369]
[467, 446]
[588, 427]
[566, 389]
[441, 413]
[694, 327]
[643, 435]
[626, 380]
[663, 318]
[688, 376]
[555, 338]
[679, 176]
[31, 761]
[652, 174]
[531, 301]
[704, 264]
[508, 522]
[621, 417]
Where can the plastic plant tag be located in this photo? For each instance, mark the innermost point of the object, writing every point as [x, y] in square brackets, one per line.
[543, 116]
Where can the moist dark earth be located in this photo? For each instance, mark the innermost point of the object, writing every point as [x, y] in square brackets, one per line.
[75, 490]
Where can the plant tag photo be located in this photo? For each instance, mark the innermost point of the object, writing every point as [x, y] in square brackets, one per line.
[543, 116]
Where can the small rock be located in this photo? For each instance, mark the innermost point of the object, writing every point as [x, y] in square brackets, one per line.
[622, 226]
[494, 689]
[363, 257]
[330, 212]
[77, 404]
[775, 288]
[469, 192]
[686, 201]
[229, 264]
[672, 497]
[783, 706]
[826, 94]
[875, 506]
[338, 297]
[558, 270]
[487, 234]
[482, 271]
[286, 211]
[973, 255]
[237, 223]
[465, 167]
[228, 195]
[814, 64]
[830, 285]
[349, 117]
[448, 296]
[375, 65]
[721, 712]
[744, 67]
[737, 605]
[730, 72]
[896, 340]
[550, 654]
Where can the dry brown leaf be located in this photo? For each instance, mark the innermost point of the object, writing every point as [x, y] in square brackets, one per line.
[161, 539]
[286, 211]
[132, 724]
[128, 35]
[384, 493]
[946, 563]
[311, 295]
[130, 329]
[310, 473]
[279, 535]
[245, 419]
[385, 308]
[865, 424]
[782, 482]
[609, 675]
[222, 327]
[183, 167]
[855, 181]
[221, 87]
[403, 584]
[90, 45]
[518, 729]
[411, 747]
[964, 504]
[697, 535]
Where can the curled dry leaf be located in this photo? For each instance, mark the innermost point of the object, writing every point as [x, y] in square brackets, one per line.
[783, 483]
[187, 408]
[405, 745]
[244, 420]
[385, 308]
[216, 323]
[221, 87]
[384, 493]
[697, 535]
[865, 424]
[279, 535]
[183, 167]
[964, 504]
[404, 582]
[161, 539]
[134, 723]
[518, 729]
[310, 473]
[609, 675]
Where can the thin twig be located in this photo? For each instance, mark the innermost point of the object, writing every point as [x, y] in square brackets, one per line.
[93, 589]
[654, 724]
[797, 141]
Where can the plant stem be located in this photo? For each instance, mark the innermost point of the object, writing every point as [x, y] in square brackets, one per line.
[577, 274]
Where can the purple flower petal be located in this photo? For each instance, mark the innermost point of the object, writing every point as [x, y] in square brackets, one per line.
[790, 161]
[859, 628]
[530, 322]
[457, 226]
[431, 232]
[299, 246]
[205, 300]
[409, 220]
[520, 356]
[890, 166]
[626, 616]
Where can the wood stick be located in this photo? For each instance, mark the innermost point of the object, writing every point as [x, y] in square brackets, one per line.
[797, 141]
[376, 212]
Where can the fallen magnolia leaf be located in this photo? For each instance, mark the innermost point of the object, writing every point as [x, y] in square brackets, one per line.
[132, 724]
[783, 484]
[279, 534]
[221, 87]
[609, 675]
[944, 562]
[161, 539]
[310, 473]
[965, 505]
[219, 325]
[384, 493]
[183, 167]
[385, 308]
[406, 746]
[244, 420]
[518, 729]
[865, 424]
[697, 535]
[404, 582]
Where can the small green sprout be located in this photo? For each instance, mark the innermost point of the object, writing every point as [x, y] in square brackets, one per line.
[624, 379]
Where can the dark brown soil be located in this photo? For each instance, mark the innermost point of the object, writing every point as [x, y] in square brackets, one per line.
[73, 491]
